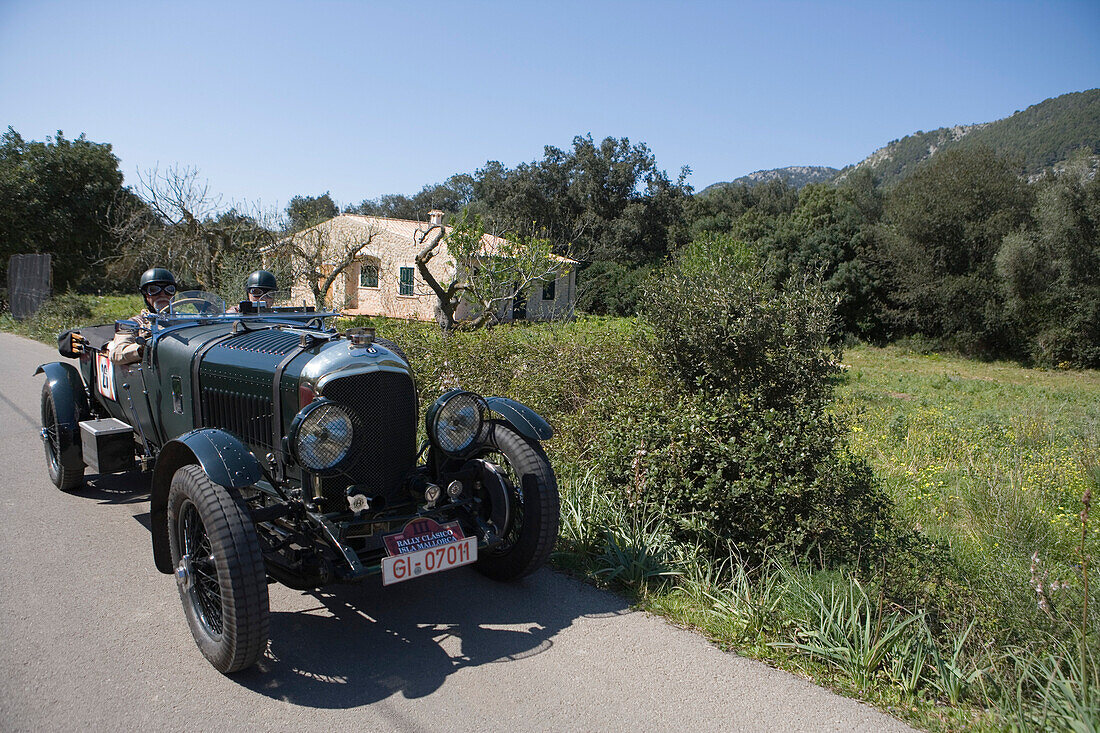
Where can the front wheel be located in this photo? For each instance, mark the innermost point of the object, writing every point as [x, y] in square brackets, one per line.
[532, 528]
[219, 570]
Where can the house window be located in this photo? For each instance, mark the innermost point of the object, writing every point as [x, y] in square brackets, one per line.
[549, 291]
[406, 284]
[368, 276]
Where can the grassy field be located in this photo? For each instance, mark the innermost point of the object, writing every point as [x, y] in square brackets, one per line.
[977, 621]
[989, 455]
[991, 459]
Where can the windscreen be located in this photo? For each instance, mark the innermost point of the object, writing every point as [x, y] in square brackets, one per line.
[192, 303]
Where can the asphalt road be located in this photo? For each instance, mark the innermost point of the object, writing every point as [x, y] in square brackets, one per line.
[92, 637]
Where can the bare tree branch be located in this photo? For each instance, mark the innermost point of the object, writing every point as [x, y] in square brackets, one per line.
[319, 255]
[446, 298]
[490, 272]
[173, 221]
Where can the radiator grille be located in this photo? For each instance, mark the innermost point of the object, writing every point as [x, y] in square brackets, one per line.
[247, 416]
[267, 341]
[385, 403]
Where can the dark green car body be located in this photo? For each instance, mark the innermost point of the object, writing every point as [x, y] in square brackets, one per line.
[226, 391]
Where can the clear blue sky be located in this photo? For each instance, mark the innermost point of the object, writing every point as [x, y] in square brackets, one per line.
[273, 99]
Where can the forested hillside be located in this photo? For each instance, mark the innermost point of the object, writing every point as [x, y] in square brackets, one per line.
[1034, 139]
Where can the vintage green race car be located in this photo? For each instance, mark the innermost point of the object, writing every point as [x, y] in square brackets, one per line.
[280, 448]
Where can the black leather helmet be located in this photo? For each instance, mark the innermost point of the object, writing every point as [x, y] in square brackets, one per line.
[261, 279]
[157, 275]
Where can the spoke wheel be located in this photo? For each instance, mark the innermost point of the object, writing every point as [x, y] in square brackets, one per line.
[532, 527]
[65, 468]
[201, 571]
[219, 570]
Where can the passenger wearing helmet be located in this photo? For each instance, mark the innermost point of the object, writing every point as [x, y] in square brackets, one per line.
[260, 287]
[158, 285]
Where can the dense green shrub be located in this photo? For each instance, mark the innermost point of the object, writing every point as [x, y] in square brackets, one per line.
[1050, 273]
[711, 416]
[573, 374]
[736, 447]
[722, 328]
[750, 461]
[731, 474]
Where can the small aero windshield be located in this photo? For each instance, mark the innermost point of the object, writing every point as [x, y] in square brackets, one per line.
[194, 303]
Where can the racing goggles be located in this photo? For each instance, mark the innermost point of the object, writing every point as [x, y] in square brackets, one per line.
[155, 289]
[259, 292]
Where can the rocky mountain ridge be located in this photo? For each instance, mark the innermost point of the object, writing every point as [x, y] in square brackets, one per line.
[1042, 137]
[794, 175]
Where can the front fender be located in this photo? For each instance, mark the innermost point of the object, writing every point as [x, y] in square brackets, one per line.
[70, 402]
[528, 422]
[223, 457]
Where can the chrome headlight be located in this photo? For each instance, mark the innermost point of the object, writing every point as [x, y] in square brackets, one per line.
[455, 420]
[321, 436]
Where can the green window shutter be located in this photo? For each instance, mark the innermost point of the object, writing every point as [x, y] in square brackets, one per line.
[368, 276]
[406, 281]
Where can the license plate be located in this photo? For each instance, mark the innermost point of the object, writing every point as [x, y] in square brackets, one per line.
[397, 568]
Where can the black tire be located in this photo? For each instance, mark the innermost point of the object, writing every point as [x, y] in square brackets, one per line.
[66, 471]
[533, 528]
[222, 581]
[386, 343]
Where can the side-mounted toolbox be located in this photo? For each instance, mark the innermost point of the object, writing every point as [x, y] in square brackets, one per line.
[107, 445]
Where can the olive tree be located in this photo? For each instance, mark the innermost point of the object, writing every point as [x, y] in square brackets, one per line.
[943, 228]
[1050, 272]
[489, 272]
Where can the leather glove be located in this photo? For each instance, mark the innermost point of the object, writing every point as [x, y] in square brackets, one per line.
[71, 344]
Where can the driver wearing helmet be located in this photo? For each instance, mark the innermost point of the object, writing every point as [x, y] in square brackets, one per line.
[158, 285]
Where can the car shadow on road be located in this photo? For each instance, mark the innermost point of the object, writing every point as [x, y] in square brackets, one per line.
[360, 644]
[116, 488]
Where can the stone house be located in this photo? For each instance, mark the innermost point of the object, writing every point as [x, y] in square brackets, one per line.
[384, 280]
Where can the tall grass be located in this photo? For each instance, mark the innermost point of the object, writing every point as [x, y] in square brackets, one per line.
[848, 629]
[997, 462]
